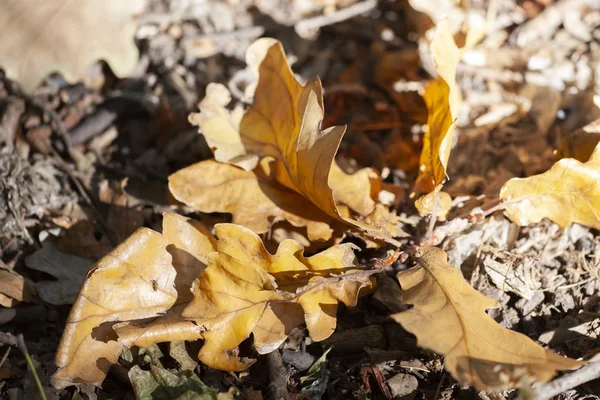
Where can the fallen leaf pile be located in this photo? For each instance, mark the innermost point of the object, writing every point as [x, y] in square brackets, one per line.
[273, 163]
[195, 286]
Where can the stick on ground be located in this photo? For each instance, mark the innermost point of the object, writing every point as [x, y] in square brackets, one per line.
[569, 381]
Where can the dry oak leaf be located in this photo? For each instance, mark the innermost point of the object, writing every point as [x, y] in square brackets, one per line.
[443, 100]
[70, 272]
[254, 198]
[66, 36]
[147, 276]
[245, 290]
[448, 316]
[567, 193]
[437, 202]
[135, 280]
[383, 220]
[284, 123]
[189, 243]
[14, 289]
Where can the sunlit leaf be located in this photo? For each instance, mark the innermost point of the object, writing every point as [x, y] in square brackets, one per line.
[284, 123]
[434, 202]
[254, 198]
[247, 290]
[134, 296]
[134, 281]
[443, 100]
[568, 192]
[448, 316]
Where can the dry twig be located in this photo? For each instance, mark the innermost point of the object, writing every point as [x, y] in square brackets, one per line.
[311, 24]
[569, 381]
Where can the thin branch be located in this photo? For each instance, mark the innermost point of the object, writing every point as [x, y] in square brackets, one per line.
[312, 24]
[570, 381]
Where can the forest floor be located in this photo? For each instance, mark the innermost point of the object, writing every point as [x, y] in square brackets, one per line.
[84, 165]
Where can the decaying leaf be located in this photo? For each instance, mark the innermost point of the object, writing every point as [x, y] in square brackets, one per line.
[160, 383]
[38, 37]
[568, 192]
[246, 290]
[448, 316]
[282, 124]
[179, 353]
[442, 98]
[80, 240]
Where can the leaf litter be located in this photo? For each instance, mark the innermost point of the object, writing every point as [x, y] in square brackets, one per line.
[450, 109]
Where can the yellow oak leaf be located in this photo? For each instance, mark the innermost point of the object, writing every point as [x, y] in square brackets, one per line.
[284, 123]
[356, 190]
[145, 277]
[567, 193]
[134, 281]
[448, 316]
[189, 242]
[254, 198]
[443, 99]
[215, 117]
[166, 328]
[437, 202]
[245, 290]
[38, 37]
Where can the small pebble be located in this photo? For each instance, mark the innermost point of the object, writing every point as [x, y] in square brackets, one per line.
[403, 385]
[298, 359]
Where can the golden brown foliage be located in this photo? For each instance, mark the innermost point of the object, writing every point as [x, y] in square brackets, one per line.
[283, 124]
[247, 290]
[142, 293]
[568, 192]
[448, 316]
[443, 99]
